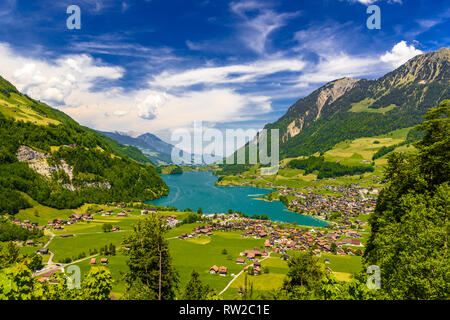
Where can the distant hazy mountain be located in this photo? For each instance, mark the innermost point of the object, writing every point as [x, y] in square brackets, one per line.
[158, 151]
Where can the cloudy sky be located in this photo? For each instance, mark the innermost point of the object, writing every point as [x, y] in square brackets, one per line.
[157, 65]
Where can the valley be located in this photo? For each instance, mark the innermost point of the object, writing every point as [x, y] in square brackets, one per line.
[73, 196]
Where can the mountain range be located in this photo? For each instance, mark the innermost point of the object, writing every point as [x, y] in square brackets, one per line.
[346, 109]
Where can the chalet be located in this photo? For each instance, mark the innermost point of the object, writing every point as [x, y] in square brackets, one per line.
[29, 242]
[87, 217]
[257, 263]
[223, 271]
[93, 261]
[104, 261]
[121, 214]
[257, 271]
[240, 261]
[76, 217]
[214, 269]
[116, 229]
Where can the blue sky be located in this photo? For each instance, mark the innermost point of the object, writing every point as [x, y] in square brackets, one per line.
[154, 66]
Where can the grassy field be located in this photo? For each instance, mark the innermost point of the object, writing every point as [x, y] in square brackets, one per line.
[192, 254]
[354, 152]
[363, 106]
[15, 107]
[343, 267]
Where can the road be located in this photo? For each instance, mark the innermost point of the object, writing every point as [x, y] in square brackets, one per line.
[236, 276]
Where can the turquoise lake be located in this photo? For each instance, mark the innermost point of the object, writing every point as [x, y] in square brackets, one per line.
[197, 190]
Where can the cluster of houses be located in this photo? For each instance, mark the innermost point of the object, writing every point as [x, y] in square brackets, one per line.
[222, 271]
[198, 231]
[353, 202]
[279, 239]
[27, 224]
[103, 261]
[250, 255]
[58, 224]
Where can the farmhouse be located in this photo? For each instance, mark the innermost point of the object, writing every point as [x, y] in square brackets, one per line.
[213, 269]
[223, 271]
[42, 251]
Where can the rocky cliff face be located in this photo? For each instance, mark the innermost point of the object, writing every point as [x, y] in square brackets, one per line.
[306, 110]
[38, 161]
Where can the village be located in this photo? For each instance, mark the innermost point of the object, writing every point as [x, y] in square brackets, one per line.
[280, 239]
[353, 202]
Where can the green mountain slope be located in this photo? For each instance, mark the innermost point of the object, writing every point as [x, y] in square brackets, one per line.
[346, 109]
[57, 162]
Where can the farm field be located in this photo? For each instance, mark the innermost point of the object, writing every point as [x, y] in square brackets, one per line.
[197, 254]
[353, 152]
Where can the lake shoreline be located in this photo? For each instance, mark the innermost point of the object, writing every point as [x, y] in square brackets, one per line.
[197, 189]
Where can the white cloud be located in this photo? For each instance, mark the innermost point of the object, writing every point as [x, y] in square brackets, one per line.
[399, 54]
[169, 101]
[332, 67]
[149, 106]
[227, 74]
[69, 83]
[258, 22]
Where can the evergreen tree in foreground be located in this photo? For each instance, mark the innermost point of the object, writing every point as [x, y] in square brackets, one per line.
[195, 289]
[151, 275]
[410, 225]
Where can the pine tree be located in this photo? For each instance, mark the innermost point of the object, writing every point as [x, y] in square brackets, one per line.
[195, 290]
[150, 275]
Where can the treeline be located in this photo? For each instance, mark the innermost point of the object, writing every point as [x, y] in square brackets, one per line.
[327, 169]
[169, 169]
[232, 169]
[413, 135]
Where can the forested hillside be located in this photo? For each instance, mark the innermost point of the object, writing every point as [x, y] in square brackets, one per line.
[57, 162]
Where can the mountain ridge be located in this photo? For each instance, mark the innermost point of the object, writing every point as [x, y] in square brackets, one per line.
[361, 107]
